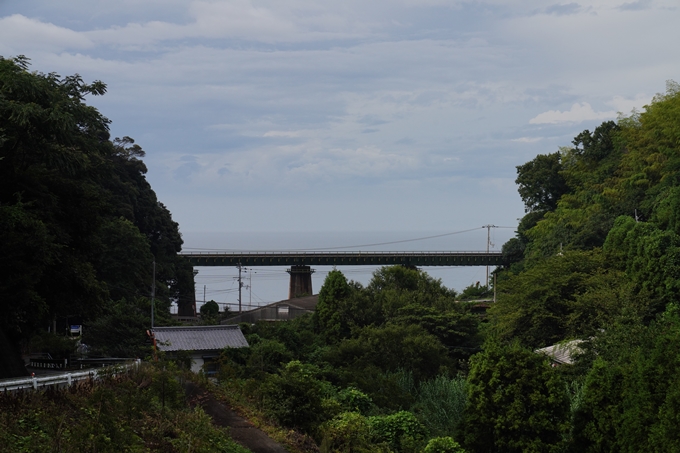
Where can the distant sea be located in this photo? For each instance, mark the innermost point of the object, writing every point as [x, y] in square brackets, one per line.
[264, 285]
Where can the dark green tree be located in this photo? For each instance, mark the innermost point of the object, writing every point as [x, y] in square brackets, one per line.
[80, 224]
[121, 330]
[516, 402]
[541, 183]
[390, 348]
[542, 305]
[330, 317]
[210, 309]
[294, 397]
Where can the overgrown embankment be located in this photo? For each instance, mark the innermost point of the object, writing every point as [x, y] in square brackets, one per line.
[139, 411]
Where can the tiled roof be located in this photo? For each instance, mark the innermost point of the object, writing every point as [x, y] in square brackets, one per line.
[199, 338]
[562, 352]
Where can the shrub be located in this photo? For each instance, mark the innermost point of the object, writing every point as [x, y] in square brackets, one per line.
[267, 356]
[349, 431]
[354, 400]
[443, 445]
[294, 397]
[397, 430]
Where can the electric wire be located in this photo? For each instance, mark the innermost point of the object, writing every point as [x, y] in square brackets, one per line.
[354, 246]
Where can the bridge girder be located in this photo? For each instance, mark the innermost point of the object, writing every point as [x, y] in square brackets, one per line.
[417, 259]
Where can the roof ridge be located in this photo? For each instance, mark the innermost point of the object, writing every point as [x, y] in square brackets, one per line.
[212, 327]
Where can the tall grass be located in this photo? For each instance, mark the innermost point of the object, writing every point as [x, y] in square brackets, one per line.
[440, 404]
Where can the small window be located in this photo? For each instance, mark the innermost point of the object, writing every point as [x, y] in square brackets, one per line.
[210, 366]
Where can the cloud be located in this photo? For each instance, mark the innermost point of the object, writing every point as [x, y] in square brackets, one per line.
[626, 105]
[563, 9]
[577, 114]
[283, 134]
[20, 34]
[636, 6]
[188, 167]
[527, 139]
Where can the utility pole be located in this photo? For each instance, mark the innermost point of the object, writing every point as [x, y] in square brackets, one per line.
[153, 291]
[488, 243]
[240, 285]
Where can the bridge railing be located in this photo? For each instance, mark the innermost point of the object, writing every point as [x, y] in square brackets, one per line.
[334, 252]
[63, 379]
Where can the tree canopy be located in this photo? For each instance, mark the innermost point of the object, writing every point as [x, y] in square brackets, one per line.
[80, 225]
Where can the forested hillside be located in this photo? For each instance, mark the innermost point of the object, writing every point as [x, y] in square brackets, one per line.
[405, 365]
[80, 225]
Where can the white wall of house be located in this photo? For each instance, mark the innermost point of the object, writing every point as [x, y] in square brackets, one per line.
[196, 363]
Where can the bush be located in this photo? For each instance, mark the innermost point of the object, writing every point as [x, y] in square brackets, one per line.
[267, 356]
[349, 431]
[398, 430]
[443, 445]
[354, 400]
[294, 397]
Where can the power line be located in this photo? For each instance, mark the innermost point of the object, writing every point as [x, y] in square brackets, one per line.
[354, 246]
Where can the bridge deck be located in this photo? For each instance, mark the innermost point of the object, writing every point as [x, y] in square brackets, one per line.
[344, 258]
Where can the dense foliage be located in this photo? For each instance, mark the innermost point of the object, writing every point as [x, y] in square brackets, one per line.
[79, 224]
[376, 368]
[596, 259]
[142, 410]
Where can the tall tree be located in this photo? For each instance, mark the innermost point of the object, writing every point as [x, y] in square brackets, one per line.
[80, 224]
[541, 183]
[516, 402]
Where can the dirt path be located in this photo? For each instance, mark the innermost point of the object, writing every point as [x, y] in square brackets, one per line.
[239, 428]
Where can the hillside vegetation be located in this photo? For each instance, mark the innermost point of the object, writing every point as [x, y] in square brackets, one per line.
[400, 365]
[80, 225]
[139, 410]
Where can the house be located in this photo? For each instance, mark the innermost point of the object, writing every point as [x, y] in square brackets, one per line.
[202, 343]
[562, 353]
[284, 310]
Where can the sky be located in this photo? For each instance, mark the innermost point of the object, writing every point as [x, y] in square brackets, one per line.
[295, 116]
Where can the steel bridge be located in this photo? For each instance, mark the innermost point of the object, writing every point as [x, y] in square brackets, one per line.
[300, 262]
[417, 259]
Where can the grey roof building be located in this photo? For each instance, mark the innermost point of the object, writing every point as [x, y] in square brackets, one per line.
[562, 353]
[284, 310]
[204, 343]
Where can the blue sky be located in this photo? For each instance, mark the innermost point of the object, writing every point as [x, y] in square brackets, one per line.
[296, 116]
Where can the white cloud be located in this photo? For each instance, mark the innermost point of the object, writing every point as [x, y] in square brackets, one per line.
[527, 139]
[20, 34]
[626, 105]
[577, 114]
[284, 134]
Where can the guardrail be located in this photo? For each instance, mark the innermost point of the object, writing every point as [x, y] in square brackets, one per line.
[35, 382]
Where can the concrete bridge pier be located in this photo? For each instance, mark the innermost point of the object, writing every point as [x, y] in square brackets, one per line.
[300, 281]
